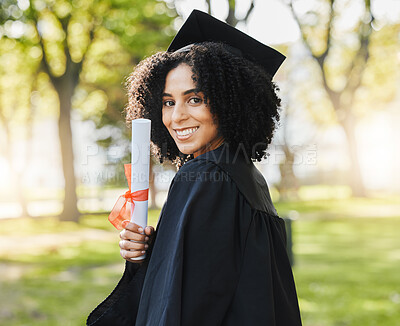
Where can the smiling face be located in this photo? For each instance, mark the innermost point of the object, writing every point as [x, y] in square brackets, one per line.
[186, 115]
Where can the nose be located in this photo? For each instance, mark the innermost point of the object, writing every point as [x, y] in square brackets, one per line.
[180, 113]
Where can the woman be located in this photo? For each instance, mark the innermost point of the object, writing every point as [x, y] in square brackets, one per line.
[218, 256]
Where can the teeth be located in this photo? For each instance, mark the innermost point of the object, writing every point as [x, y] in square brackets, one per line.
[186, 131]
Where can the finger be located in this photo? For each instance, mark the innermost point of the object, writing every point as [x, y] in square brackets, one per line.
[134, 227]
[126, 254]
[149, 230]
[129, 235]
[130, 245]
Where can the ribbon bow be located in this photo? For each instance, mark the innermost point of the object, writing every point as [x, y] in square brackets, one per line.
[125, 204]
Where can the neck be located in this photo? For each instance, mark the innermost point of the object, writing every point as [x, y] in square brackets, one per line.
[210, 147]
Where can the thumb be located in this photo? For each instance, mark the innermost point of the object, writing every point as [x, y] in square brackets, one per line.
[149, 230]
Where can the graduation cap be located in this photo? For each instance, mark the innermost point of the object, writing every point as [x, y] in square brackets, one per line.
[201, 27]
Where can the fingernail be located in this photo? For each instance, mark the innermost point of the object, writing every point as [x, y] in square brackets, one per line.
[124, 224]
[143, 252]
[146, 239]
[146, 246]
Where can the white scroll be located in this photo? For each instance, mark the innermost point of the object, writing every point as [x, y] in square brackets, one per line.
[140, 169]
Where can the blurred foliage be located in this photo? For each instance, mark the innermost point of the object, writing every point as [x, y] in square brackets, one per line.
[59, 56]
[110, 36]
[379, 82]
[340, 263]
[92, 45]
[351, 68]
[334, 32]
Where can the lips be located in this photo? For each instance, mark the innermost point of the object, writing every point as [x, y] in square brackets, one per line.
[185, 133]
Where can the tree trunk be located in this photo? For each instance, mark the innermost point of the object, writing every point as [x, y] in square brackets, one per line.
[231, 18]
[65, 86]
[289, 185]
[356, 182]
[21, 194]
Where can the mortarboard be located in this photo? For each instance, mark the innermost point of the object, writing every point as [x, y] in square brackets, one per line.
[201, 27]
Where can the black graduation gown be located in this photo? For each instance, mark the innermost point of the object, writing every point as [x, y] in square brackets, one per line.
[218, 257]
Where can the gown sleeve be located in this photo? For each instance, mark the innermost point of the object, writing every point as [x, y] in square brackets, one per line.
[120, 307]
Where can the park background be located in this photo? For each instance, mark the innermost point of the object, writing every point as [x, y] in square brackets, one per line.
[333, 167]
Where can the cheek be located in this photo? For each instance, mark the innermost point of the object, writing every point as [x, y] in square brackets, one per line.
[212, 124]
[166, 119]
[213, 130]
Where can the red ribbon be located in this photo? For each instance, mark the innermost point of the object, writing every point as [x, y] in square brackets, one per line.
[125, 203]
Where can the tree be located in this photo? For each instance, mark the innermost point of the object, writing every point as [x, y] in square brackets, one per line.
[319, 30]
[68, 35]
[232, 18]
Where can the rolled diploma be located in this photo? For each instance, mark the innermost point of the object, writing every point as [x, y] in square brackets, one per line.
[140, 169]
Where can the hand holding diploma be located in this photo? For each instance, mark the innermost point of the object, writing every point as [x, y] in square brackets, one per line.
[136, 248]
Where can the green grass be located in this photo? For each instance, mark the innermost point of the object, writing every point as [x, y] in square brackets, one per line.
[347, 271]
[346, 207]
[41, 225]
[347, 267]
[60, 291]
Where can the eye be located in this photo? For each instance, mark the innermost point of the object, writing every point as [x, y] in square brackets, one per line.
[195, 100]
[168, 103]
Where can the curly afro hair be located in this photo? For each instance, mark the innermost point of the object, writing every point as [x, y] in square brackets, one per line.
[239, 93]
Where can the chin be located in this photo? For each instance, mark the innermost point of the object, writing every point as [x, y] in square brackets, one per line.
[187, 150]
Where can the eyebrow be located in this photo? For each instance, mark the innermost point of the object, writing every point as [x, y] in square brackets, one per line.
[193, 90]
